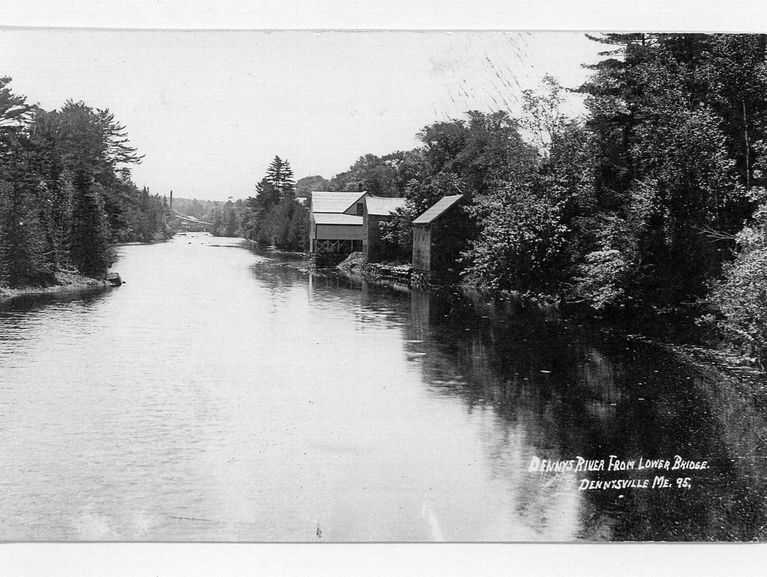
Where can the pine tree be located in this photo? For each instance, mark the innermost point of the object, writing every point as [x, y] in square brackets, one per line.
[280, 176]
[22, 259]
[22, 248]
[90, 234]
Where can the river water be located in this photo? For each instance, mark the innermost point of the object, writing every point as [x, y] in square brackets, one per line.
[223, 395]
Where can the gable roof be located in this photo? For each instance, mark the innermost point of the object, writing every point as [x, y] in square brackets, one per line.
[337, 218]
[438, 209]
[334, 201]
[383, 205]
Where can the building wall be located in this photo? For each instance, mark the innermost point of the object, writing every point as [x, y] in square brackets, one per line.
[331, 232]
[422, 247]
[337, 232]
[448, 241]
[357, 209]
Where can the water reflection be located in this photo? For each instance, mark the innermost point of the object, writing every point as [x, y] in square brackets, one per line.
[222, 395]
[559, 391]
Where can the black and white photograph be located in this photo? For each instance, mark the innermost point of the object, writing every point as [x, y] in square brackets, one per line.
[382, 286]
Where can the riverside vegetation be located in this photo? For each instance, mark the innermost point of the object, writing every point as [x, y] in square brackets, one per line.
[651, 203]
[66, 194]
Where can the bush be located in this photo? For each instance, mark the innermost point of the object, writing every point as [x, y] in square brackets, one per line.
[600, 278]
[740, 298]
[522, 241]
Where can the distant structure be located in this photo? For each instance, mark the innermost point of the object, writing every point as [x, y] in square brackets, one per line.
[335, 222]
[377, 209]
[190, 223]
[439, 236]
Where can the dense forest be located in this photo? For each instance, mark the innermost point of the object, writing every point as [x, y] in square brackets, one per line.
[66, 193]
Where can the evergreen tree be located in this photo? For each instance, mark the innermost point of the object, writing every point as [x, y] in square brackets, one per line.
[269, 217]
[54, 198]
[90, 234]
[62, 174]
[22, 247]
[280, 176]
[674, 151]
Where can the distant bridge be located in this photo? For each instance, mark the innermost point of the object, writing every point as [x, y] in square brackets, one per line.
[190, 223]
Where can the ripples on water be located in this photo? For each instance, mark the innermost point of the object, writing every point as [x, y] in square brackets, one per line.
[222, 395]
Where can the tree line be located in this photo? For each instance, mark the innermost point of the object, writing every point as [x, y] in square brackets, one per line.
[654, 200]
[66, 193]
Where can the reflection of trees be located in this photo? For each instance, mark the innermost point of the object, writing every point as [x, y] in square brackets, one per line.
[599, 395]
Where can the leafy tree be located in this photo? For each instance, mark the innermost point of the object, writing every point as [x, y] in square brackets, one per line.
[674, 155]
[740, 297]
[522, 240]
[380, 176]
[305, 186]
[297, 235]
[468, 157]
[288, 223]
[534, 220]
[543, 117]
[481, 151]
[231, 222]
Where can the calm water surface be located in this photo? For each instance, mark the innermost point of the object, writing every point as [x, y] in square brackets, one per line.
[222, 395]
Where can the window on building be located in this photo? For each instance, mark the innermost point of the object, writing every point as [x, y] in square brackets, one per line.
[359, 209]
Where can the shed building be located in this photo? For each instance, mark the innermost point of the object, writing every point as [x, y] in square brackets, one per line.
[439, 236]
[376, 210]
[335, 222]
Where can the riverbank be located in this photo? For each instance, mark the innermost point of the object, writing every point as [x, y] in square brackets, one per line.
[66, 282]
[668, 332]
[698, 350]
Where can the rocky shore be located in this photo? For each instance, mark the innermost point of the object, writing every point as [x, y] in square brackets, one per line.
[65, 282]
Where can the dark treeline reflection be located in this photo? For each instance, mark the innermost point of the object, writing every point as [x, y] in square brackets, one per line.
[560, 391]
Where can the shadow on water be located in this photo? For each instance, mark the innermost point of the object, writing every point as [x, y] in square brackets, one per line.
[85, 298]
[568, 391]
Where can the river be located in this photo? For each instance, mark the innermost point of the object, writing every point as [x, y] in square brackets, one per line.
[222, 395]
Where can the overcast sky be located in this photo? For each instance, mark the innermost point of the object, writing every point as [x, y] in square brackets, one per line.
[210, 109]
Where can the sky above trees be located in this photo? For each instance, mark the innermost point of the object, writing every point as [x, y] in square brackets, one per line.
[209, 110]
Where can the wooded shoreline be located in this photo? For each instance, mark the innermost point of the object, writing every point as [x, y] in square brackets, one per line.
[68, 282]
